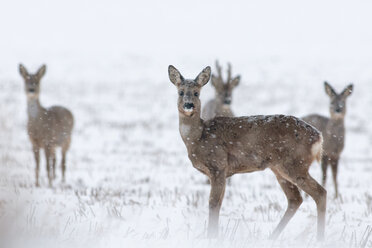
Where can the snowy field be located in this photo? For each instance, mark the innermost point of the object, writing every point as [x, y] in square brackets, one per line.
[129, 180]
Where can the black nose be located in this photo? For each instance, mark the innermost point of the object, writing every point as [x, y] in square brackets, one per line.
[227, 101]
[338, 110]
[31, 90]
[188, 105]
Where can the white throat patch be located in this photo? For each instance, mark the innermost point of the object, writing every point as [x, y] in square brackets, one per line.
[33, 108]
[185, 130]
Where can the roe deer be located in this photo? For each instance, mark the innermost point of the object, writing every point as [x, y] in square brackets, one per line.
[224, 146]
[333, 131]
[220, 105]
[47, 128]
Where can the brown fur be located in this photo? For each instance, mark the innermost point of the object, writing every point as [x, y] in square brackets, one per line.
[224, 146]
[48, 128]
[333, 131]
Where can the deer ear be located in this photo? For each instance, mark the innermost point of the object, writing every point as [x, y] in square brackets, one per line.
[23, 71]
[41, 72]
[203, 76]
[174, 75]
[235, 82]
[348, 90]
[329, 90]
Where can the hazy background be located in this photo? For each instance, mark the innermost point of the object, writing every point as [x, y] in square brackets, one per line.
[129, 181]
[103, 33]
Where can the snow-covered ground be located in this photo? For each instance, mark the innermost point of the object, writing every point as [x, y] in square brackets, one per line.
[129, 181]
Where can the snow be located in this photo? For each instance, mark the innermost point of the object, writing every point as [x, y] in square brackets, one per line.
[129, 181]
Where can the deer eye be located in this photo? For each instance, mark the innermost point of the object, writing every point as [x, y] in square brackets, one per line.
[181, 93]
[196, 94]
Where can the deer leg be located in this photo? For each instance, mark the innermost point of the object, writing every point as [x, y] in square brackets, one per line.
[63, 164]
[334, 166]
[294, 201]
[229, 181]
[319, 194]
[48, 164]
[53, 158]
[218, 183]
[37, 168]
[325, 161]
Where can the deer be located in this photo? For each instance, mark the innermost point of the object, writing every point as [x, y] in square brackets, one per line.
[333, 131]
[224, 146]
[220, 105]
[47, 128]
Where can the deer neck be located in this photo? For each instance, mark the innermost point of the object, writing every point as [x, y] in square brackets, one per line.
[337, 120]
[34, 108]
[191, 128]
[336, 125]
[219, 101]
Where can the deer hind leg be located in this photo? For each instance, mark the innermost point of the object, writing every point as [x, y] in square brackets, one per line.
[36, 151]
[65, 147]
[218, 184]
[294, 201]
[324, 163]
[319, 194]
[334, 166]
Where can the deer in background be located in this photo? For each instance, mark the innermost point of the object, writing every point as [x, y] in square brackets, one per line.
[220, 104]
[224, 146]
[48, 128]
[333, 131]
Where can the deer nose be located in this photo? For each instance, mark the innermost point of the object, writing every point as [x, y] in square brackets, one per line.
[227, 100]
[188, 105]
[338, 110]
[31, 90]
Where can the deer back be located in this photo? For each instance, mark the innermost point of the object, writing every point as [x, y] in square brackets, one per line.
[52, 126]
[246, 144]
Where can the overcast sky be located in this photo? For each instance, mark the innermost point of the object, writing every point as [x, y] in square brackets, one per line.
[193, 28]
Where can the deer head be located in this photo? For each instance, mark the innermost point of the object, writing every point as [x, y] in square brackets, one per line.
[188, 90]
[32, 81]
[337, 107]
[224, 88]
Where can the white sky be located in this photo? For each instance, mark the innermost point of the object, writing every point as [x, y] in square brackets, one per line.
[174, 30]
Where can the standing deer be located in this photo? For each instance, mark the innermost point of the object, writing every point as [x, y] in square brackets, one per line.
[333, 131]
[48, 128]
[224, 146]
[220, 105]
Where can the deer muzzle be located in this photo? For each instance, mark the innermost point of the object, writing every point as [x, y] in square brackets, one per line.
[188, 106]
[227, 101]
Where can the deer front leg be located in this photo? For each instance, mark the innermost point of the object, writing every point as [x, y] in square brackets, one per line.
[63, 165]
[218, 183]
[36, 151]
[48, 165]
[334, 166]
